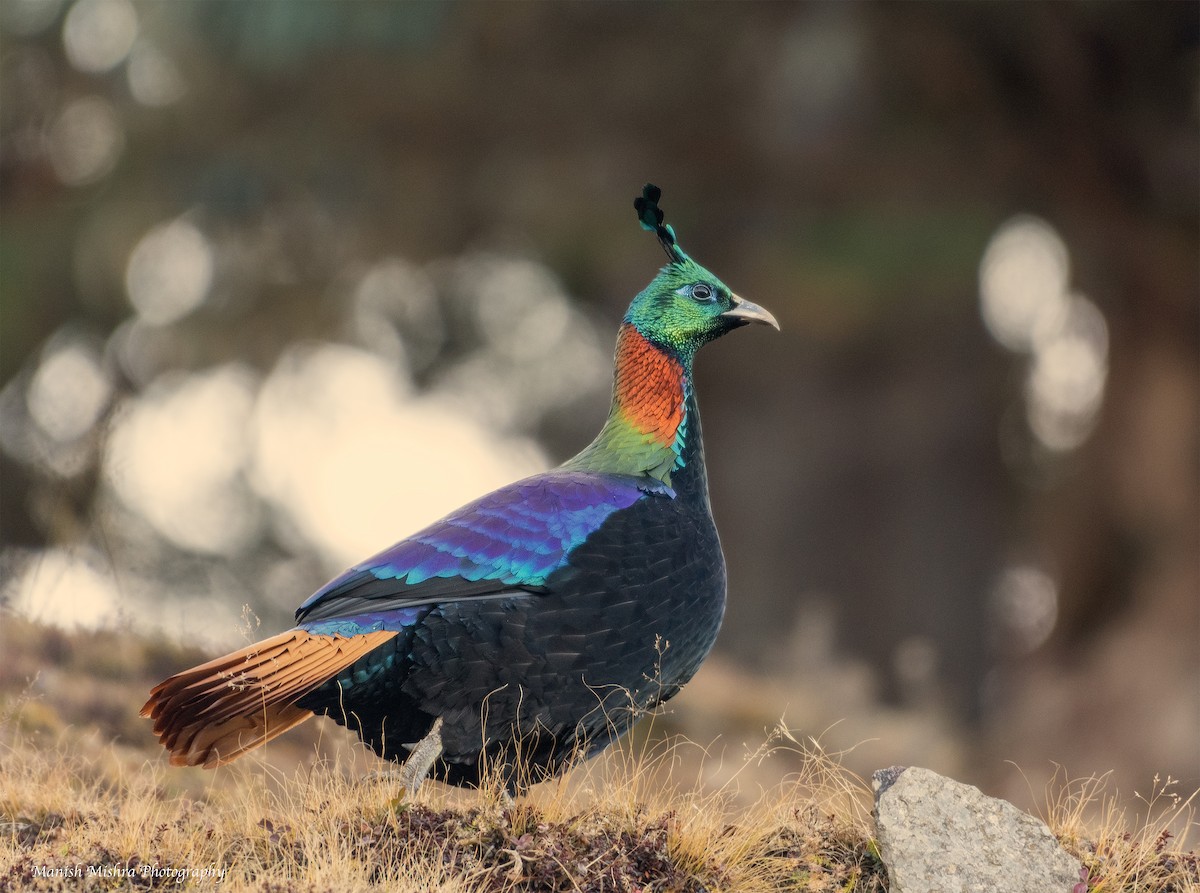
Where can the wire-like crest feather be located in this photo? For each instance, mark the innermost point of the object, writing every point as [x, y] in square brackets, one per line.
[650, 216]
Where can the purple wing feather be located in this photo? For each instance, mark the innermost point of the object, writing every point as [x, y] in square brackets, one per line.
[511, 539]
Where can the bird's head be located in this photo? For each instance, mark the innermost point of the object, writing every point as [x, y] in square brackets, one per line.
[685, 305]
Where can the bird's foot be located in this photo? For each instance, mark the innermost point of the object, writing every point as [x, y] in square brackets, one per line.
[421, 758]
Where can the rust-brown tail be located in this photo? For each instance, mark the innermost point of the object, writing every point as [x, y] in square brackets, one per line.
[214, 713]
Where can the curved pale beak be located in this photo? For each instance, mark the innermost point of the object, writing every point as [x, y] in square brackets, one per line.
[744, 311]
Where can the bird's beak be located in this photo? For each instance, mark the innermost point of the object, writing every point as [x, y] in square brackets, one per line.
[744, 311]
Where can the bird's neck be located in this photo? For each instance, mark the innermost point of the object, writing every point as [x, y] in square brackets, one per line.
[653, 428]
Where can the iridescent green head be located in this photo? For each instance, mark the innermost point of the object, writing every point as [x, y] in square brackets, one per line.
[685, 305]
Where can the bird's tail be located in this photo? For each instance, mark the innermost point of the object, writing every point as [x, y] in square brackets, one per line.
[212, 714]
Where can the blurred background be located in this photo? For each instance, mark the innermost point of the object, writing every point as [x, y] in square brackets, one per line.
[281, 282]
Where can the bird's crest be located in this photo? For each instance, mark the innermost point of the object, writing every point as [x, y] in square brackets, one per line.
[650, 216]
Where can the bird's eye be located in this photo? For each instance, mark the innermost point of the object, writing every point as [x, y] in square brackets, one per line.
[702, 292]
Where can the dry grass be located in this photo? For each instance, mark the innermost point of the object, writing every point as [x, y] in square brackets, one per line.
[648, 816]
[1127, 848]
[611, 825]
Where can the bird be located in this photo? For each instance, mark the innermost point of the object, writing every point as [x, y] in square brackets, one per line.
[531, 627]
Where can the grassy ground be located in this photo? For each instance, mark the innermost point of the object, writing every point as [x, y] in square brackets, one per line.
[83, 807]
[615, 824]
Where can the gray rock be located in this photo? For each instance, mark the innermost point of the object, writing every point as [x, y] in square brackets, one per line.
[937, 835]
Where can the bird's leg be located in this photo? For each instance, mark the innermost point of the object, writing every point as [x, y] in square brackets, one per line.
[421, 758]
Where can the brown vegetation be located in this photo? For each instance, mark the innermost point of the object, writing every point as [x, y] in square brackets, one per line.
[79, 792]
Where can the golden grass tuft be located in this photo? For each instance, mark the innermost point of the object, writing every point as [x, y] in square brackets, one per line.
[1141, 848]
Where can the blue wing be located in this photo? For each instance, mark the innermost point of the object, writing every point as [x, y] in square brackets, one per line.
[510, 540]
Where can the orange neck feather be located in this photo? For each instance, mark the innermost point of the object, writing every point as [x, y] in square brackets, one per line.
[649, 390]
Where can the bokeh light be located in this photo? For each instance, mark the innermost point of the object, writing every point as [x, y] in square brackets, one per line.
[1024, 299]
[396, 312]
[154, 78]
[1067, 377]
[85, 141]
[539, 353]
[71, 588]
[169, 272]
[1023, 281]
[518, 303]
[356, 461]
[98, 34]
[177, 455]
[68, 392]
[1024, 607]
